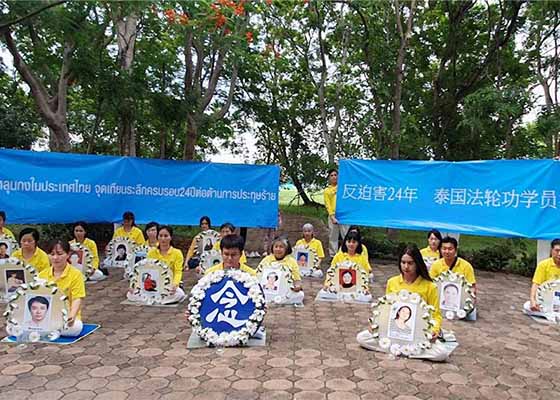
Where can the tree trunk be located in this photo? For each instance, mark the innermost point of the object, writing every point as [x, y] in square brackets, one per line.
[192, 135]
[162, 143]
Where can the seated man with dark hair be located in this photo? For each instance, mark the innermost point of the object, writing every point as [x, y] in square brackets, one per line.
[450, 261]
[231, 247]
[547, 270]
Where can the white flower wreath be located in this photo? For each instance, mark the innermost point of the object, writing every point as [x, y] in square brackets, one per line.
[209, 234]
[234, 338]
[13, 244]
[394, 348]
[543, 292]
[285, 269]
[467, 293]
[15, 328]
[166, 277]
[330, 282]
[207, 259]
[14, 263]
[315, 264]
[128, 264]
[87, 260]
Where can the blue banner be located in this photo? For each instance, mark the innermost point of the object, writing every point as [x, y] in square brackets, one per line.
[511, 198]
[44, 187]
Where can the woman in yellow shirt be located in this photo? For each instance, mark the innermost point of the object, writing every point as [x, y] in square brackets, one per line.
[70, 281]
[29, 251]
[432, 252]
[353, 250]
[129, 230]
[151, 230]
[3, 230]
[79, 230]
[280, 251]
[311, 242]
[414, 277]
[173, 258]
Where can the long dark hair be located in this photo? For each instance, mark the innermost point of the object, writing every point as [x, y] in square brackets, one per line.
[421, 269]
[437, 234]
[352, 235]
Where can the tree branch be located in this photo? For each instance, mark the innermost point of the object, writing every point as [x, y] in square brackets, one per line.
[6, 26]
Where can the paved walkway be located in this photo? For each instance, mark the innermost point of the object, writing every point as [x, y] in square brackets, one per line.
[140, 353]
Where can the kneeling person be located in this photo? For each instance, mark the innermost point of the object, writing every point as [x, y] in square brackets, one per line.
[69, 280]
[547, 270]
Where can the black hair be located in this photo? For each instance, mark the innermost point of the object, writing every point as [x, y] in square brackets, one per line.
[421, 269]
[452, 240]
[204, 218]
[555, 242]
[409, 312]
[83, 224]
[150, 225]
[29, 231]
[3, 215]
[437, 234]
[58, 242]
[121, 246]
[352, 235]
[331, 170]
[228, 225]
[38, 299]
[274, 274]
[168, 229]
[4, 244]
[129, 215]
[355, 228]
[232, 242]
[450, 285]
[285, 242]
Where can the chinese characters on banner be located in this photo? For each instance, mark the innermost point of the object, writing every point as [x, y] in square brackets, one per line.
[226, 306]
[495, 198]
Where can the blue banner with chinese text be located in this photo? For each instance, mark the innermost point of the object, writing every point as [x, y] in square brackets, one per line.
[45, 187]
[512, 198]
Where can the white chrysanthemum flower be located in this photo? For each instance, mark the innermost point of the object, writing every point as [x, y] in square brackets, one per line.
[403, 295]
[395, 349]
[449, 315]
[461, 314]
[428, 335]
[53, 335]
[414, 298]
[384, 343]
[278, 299]
[34, 337]
[406, 350]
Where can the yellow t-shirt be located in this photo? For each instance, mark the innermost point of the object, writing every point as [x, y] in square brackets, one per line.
[92, 247]
[71, 283]
[135, 234]
[314, 244]
[426, 289]
[547, 270]
[329, 195]
[360, 259]
[364, 251]
[220, 266]
[39, 260]
[5, 231]
[290, 262]
[429, 256]
[462, 267]
[242, 260]
[174, 259]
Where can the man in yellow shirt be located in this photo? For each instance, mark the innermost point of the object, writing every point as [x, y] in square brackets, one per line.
[232, 247]
[460, 266]
[547, 270]
[335, 229]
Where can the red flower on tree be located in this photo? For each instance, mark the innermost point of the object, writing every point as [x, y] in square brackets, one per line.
[183, 19]
[220, 20]
[249, 36]
[170, 15]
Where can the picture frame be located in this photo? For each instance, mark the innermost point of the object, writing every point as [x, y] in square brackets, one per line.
[121, 254]
[205, 241]
[456, 295]
[13, 273]
[38, 310]
[401, 323]
[548, 299]
[276, 281]
[355, 289]
[84, 260]
[150, 282]
[312, 260]
[210, 258]
[11, 244]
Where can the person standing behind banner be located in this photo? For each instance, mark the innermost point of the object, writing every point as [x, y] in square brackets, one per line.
[336, 230]
[173, 258]
[80, 237]
[3, 230]
[129, 230]
[29, 252]
[432, 252]
[451, 261]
